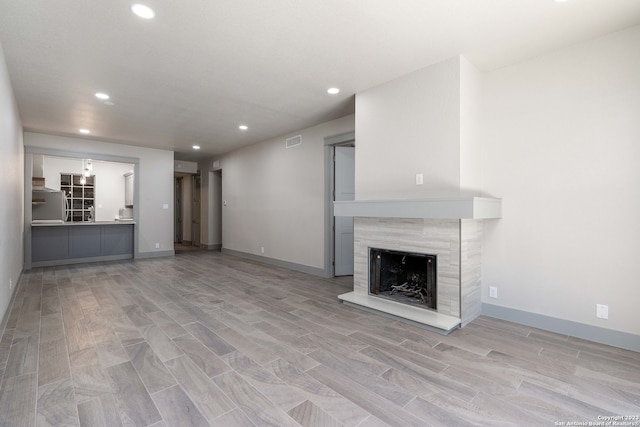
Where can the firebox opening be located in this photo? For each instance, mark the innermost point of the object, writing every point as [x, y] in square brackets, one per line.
[404, 277]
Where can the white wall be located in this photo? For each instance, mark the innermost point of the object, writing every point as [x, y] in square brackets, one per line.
[211, 218]
[470, 143]
[276, 196]
[155, 184]
[11, 190]
[561, 145]
[109, 182]
[182, 166]
[109, 188]
[207, 207]
[407, 126]
[210, 207]
[557, 137]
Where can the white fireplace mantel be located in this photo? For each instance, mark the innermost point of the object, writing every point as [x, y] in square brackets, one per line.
[430, 208]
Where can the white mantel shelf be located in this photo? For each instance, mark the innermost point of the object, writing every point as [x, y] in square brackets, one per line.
[430, 208]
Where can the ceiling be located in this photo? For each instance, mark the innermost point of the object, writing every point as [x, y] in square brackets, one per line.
[200, 68]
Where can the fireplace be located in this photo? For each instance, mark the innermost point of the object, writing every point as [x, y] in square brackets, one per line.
[405, 277]
[446, 230]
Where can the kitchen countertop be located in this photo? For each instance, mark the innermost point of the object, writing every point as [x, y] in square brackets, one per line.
[83, 224]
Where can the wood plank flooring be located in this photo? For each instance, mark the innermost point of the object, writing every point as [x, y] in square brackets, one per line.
[204, 338]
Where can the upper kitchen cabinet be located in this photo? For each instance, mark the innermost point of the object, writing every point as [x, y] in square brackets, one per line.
[128, 189]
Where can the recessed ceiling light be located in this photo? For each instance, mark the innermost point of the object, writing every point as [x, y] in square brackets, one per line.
[243, 127]
[143, 11]
[196, 147]
[101, 95]
[333, 91]
[85, 131]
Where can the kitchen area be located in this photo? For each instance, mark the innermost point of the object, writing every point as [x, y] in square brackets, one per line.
[81, 209]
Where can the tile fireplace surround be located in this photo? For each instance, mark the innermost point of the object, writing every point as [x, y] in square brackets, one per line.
[450, 228]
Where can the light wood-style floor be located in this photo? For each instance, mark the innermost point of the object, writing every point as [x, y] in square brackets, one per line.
[208, 339]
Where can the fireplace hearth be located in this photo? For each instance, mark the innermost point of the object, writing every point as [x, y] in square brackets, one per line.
[404, 277]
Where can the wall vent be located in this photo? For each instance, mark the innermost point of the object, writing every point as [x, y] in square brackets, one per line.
[293, 141]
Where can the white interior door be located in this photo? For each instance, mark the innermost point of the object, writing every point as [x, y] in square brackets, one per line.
[344, 189]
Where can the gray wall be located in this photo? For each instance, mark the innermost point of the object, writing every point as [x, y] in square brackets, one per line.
[11, 190]
[276, 197]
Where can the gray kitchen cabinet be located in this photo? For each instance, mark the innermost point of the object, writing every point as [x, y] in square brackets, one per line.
[80, 242]
[49, 243]
[85, 241]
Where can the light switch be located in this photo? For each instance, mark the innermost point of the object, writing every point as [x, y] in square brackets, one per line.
[419, 179]
[165, 206]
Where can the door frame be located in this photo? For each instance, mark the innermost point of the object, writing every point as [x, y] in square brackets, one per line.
[196, 214]
[178, 217]
[329, 238]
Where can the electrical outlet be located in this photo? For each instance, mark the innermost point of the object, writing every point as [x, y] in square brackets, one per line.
[602, 311]
[493, 292]
[419, 179]
[157, 245]
[262, 249]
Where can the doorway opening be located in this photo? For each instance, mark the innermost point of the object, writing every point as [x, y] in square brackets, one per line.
[340, 185]
[343, 190]
[186, 212]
